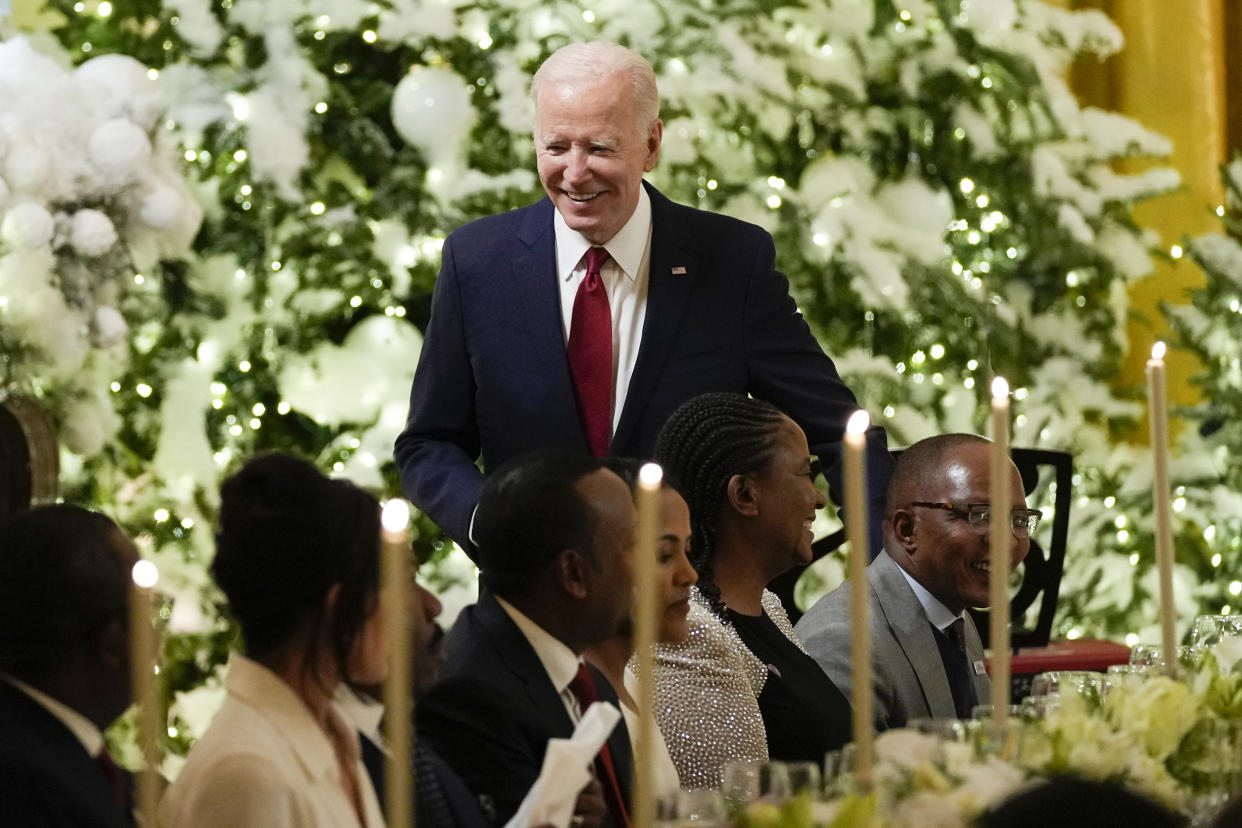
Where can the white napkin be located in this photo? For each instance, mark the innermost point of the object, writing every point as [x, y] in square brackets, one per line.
[566, 770]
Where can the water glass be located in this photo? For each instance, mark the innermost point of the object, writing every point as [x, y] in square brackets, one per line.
[741, 785]
[1210, 630]
[951, 730]
[691, 809]
[1152, 656]
[838, 770]
[986, 711]
[804, 778]
[1084, 682]
[774, 782]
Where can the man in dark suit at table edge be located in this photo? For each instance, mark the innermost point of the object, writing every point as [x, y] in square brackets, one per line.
[556, 536]
[64, 667]
[693, 300]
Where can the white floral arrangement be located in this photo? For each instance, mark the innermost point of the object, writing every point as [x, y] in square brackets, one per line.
[1175, 741]
[90, 198]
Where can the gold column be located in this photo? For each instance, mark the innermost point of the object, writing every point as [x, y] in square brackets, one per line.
[1170, 77]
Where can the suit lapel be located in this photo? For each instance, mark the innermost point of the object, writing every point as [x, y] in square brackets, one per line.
[533, 309]
[519, 659]
[670, 278]
[974, 654]
[913, 632]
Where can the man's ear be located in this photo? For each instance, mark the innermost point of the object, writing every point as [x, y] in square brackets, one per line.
[654, 136]
[110, 644]
[902, 524]
[571, 573]
[742, 496]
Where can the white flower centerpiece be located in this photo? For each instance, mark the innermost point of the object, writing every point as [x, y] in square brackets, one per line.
[90, 200]
[1175, 740]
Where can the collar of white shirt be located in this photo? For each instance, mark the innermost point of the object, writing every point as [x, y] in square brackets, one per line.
[80, 726]
[937, 613]
[626, 248]
[558, 661]
[364, 713]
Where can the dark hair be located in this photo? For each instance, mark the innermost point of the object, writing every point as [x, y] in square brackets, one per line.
[626, 468]
[706, 441]
[288, 534]
[528, 513]
[920, 463]
[61, 578]
[1073, 802]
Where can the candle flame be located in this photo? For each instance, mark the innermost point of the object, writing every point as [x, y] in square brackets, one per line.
[145, 574]
[1000, 388]
[1157, 350]
[396, 515]
[858, 422]
[650, 475]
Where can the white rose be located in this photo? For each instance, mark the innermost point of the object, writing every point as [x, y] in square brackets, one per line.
[28, 225]
[161, 207]
[27, 168]
[92, 233]
[83, 430]
[108, 327]
[907, 748]
[1157, 713]
[118, 148]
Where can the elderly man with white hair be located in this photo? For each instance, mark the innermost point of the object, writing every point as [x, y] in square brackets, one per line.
[581, 322]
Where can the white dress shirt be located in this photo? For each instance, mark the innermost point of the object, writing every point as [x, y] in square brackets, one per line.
[937, 613]
[264, 761]
[625, 276]
[560, 662]
[77, 724]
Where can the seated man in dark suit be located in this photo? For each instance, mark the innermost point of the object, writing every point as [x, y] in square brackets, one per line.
[440, 798]
[64, 667]
[555, 534]
[928, 659]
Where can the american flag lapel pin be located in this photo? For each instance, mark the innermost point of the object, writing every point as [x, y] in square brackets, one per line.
[679, 271]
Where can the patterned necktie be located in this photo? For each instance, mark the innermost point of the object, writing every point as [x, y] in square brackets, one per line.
[957, 633]
[590, 354]
[951, 641]
[583, 688]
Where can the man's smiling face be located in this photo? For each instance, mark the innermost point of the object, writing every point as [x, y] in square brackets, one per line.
[591, 155]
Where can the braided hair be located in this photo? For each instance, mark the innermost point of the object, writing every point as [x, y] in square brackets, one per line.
[707, 440]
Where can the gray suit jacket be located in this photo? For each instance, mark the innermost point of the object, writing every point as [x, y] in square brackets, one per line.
[908, 674]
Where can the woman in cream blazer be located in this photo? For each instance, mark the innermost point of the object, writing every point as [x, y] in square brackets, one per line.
[297, 557]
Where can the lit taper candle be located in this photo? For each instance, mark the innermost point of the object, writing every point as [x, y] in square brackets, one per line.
[646, 622]
[1000, 534]
[398, 684]
[855, 463]
[1158, 414]
[144, 669]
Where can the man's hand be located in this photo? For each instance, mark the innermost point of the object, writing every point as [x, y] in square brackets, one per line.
[589, 810]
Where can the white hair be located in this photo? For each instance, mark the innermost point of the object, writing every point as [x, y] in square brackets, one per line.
[598, 61]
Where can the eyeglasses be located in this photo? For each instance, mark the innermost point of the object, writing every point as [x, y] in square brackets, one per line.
[979, 516]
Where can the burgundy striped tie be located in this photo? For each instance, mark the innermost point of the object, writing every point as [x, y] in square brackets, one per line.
[590, 355]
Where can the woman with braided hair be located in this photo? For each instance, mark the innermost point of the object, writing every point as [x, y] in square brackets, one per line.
[741, 686]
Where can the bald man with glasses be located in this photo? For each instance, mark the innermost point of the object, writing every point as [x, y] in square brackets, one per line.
[928, 659]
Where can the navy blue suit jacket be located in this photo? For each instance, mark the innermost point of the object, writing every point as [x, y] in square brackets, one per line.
[47, 779]
[493, 379]
[494, 708]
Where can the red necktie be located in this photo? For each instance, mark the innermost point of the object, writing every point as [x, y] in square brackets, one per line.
[583, 688]
[590, 355]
